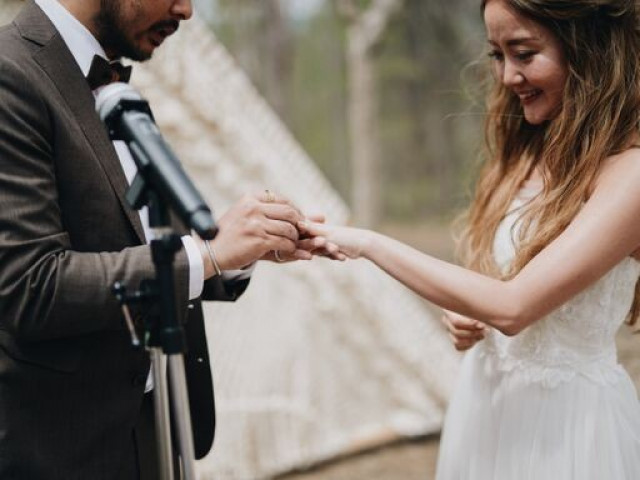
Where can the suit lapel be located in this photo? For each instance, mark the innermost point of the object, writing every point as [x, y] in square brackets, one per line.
[58, 63]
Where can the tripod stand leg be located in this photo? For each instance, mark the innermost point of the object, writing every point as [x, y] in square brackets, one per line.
[163, 422]
[181, 414]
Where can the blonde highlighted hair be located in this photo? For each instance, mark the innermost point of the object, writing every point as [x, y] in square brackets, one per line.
[599, 117]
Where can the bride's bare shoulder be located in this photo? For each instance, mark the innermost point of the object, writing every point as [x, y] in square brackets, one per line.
[619, 169]
[620, 175]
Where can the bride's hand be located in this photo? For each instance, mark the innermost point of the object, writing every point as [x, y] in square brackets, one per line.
[464, 332]
[350, 241]
[308, 246]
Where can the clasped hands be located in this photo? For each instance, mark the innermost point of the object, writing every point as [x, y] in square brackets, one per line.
[267, 226]
[264, 226]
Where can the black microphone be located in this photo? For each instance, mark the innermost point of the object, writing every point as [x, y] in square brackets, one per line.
[128, 118]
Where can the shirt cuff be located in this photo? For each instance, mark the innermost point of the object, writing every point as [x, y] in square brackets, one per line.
[196, 267]
[237, 275]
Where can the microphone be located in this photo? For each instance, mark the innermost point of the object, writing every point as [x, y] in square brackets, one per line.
[128, 118]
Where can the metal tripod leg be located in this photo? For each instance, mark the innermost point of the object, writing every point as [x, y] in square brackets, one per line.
[162, 414]
[179, 402]
[182, 414]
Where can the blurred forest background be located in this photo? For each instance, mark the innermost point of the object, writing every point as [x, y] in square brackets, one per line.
[383, 95]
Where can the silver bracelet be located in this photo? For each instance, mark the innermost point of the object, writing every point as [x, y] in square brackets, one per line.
[212, 256]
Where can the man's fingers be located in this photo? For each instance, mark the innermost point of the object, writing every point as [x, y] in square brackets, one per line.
[270, 197]
[282, 229]
[282, 244]
[284, 213]
[289, 257]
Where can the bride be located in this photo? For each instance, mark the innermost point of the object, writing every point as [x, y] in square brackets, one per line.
[552, 247]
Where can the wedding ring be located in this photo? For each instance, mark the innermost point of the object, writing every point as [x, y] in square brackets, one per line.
[270, 197]
[276, 254]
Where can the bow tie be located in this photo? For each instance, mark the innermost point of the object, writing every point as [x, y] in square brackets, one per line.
[103, 72]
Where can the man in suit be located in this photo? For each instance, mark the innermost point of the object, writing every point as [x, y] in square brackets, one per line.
[72, 390]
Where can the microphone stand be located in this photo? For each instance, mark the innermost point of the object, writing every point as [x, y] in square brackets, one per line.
[160, 183]
[164, 336]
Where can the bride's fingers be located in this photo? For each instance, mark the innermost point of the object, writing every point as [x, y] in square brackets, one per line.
[332, 248]
[333, 255]
[313, 243]
[302, 255]
[463, 331]
[312, 228]
[463, 323]
[461, 344]
[320, 246]
[467, 334]
[316, 217]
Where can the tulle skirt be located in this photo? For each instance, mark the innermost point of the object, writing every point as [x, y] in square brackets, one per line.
[510, 425]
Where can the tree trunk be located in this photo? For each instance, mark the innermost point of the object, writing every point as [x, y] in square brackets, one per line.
[279, 53]
[364, 32]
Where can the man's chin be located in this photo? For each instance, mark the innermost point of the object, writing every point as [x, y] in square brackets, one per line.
[139, 53]
[143, 56]
[130, 51]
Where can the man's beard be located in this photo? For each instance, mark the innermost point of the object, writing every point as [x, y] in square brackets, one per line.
[111, 32]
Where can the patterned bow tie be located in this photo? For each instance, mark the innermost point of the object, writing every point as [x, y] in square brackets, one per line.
[103, 72]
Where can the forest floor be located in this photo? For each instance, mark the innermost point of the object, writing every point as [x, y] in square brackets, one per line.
[416, 460]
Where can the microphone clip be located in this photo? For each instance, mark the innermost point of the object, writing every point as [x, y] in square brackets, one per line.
[112, 120]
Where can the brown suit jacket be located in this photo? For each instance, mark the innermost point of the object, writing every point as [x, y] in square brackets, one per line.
[70, 383]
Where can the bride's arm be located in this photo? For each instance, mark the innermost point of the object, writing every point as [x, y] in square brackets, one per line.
[605, 231]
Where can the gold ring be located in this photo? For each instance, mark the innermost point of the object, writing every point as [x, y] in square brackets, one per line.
[270, 196]
[276, 254]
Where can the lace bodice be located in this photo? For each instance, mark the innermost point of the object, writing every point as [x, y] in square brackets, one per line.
[578, 337]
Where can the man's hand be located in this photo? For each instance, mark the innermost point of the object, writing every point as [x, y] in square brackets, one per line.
[253, 228]
[463, 331]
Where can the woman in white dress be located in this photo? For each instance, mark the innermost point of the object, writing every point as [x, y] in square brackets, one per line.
[551, 247]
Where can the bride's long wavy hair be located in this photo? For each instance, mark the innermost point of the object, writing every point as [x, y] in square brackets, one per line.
[599, 117]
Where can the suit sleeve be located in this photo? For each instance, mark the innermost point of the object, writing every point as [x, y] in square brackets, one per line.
[219, 289]
[47, 289]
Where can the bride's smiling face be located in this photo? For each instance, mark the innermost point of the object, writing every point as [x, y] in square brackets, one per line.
[528, 59]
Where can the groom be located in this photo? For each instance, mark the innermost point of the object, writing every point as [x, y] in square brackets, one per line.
[74, 396]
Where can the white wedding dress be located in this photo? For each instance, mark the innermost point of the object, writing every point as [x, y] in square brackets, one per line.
[551, 403]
